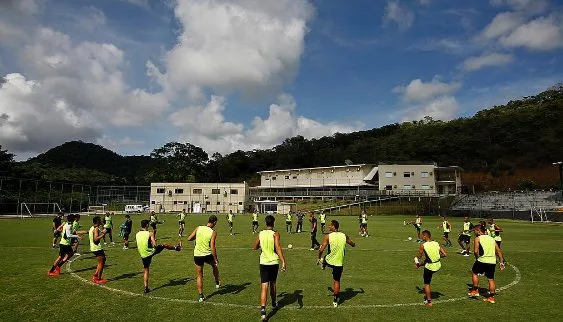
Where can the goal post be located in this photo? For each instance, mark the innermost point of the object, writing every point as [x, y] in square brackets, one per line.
[31, 209]
[100, 209]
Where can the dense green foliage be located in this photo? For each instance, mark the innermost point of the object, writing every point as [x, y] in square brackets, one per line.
[526, 133]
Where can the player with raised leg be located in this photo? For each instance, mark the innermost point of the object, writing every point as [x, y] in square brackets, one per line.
[464, 239]
[485, 250]
[205, 252]
[417, 223]
[269, 242]
[336, 242]
[432, 252]
[148, 247]
[97, 248]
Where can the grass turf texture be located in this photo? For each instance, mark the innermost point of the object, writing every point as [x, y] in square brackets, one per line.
[379, 271]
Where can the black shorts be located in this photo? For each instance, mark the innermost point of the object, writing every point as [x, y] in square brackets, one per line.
[427, 275]
[65, 250]
[108, 230]
[153, 225]
[323, 224]
[254, 223]
[480, 268]
[446, 234]
[74, 241]
[201, 260]
[231, 224]
[417, 226]
[464, 238]
[181, 222]
[288, 223]
[56, 234]
[364, 225]
[126, 235]
[269, 273]
[336, 272]
[99, 253]
[498, 242]
[147, 260]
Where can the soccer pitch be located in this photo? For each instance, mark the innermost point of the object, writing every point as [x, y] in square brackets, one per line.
[380, 281]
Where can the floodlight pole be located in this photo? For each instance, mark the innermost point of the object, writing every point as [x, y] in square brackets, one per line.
[560, 164]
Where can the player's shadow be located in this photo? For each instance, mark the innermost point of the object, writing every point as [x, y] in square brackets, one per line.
[230, 289]
[435, 295]
[175, 282]
[123, 276]
[348, 293]
[92, 268]
[285, 299]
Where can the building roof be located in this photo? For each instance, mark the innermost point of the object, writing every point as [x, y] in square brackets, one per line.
[315, 168]
[371, 174]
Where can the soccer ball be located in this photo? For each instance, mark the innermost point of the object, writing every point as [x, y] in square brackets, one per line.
[290, 246]
[410, 238]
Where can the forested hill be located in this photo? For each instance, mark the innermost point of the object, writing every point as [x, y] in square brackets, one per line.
[522, 134]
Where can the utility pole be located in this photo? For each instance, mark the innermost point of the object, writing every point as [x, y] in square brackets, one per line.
[560, 164]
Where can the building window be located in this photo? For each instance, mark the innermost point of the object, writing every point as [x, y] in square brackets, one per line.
[160, 190]
[407, 187]
[425, 187]
[424, 174]
[197, 191]
[207, 203]
[215, 191]
[388, 174]
[218, 203]
[179, 191]
[294, 177]
[388, 187]
[240, 203]
[273, 178]
[153, 202]
[175, 202]
[185, 202]
[234, 191]
[267, 179]
[286, 177]
[406, 174]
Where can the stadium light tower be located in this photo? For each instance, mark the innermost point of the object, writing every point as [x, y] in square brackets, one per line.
[560, 164]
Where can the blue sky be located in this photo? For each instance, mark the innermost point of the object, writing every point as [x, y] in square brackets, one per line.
[225, 75]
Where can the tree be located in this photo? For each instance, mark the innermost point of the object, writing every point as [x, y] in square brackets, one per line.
[6, 161]
[178, 162]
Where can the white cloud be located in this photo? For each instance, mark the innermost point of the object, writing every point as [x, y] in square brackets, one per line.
[528, 6]
[118, 144]
[544, 33]
[68, 91]
[206, 126]
[247, 46]
[502, 24]
[494, 59]
[32, 117]
[93, 19]
[419, 91]
[26, 7]
[395, 12]
[443, 108]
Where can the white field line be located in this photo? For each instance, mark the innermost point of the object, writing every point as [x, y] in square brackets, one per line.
[159, 298]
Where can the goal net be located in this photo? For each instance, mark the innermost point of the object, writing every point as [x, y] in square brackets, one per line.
[97, 209]
[537, 214]
[31, 209]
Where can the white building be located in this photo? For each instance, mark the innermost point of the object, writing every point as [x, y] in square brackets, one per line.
[199, 197]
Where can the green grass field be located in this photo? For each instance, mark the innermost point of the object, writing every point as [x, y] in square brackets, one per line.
[379, 282]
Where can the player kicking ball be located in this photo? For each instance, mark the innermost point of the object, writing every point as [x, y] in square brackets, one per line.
[432, 252]
[336, 242]
[148, 247]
